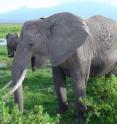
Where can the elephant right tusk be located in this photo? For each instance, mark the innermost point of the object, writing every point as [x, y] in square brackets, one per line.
[19, 82]
[8, 84]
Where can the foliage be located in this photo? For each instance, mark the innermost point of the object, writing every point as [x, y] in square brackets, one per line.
[101, 101]
[3, 54]
[35, 116]
[6, 28]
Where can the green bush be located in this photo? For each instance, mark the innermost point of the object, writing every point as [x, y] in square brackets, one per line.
[36, 116]
[102, 101]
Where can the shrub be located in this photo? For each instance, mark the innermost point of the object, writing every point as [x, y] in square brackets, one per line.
[101, 101]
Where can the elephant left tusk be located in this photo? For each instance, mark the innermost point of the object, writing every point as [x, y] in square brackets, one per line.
[8, 84]
[19, 82]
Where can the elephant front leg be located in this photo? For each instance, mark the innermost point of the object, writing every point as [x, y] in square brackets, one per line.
[79, 89]
[60, 87]
[79, 76]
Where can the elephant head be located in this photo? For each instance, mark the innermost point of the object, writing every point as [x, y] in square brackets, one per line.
[55, 38]
[12, 40]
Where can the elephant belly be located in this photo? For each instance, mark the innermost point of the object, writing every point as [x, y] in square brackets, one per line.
[98, 70]
[102, 67]
[66, 72]
[102, 64]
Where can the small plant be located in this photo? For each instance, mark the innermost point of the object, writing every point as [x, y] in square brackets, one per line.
[36, 116]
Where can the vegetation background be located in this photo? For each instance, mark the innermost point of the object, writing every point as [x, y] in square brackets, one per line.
[6, 28]
[40, 102]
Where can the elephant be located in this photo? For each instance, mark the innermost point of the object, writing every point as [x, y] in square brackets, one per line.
[76, 48]
[12, 41]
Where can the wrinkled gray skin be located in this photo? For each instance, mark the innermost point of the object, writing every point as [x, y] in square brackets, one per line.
[12, 40]
[76, 48]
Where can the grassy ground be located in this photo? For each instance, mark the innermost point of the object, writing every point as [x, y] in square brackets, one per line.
[6, 28]
[40, 102]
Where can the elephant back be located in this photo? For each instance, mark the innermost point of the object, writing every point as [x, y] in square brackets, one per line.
[104, 33]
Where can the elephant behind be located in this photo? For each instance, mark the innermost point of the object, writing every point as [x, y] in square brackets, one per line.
[12, 41]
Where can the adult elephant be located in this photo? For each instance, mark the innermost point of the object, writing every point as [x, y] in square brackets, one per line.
[82, 47]
[12, 41]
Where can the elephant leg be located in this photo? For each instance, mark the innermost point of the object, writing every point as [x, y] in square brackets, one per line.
[79, 76]
[108, 75]
[60, 87]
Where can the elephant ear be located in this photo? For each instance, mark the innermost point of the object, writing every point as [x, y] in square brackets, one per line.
[68, 33]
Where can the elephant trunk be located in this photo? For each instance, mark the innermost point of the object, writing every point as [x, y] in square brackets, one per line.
[21, 62]
[18, 94]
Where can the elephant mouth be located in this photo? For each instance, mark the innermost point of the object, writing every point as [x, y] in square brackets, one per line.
[33, 59]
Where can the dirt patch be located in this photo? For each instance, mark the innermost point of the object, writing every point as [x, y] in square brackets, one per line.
[3, 65]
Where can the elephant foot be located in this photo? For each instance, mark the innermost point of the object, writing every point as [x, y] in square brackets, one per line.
[63, 108]
[81, 116]
[82, 109]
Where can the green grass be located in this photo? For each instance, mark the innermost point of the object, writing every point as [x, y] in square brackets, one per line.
[40, 102]
[7, 28]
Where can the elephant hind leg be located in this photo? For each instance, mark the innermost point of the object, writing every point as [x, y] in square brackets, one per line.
[60, 87]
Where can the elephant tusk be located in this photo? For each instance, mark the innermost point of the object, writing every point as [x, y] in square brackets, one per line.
[8, 84]
[19, 82]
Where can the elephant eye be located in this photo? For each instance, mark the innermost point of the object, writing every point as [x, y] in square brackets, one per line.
[31, 44]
